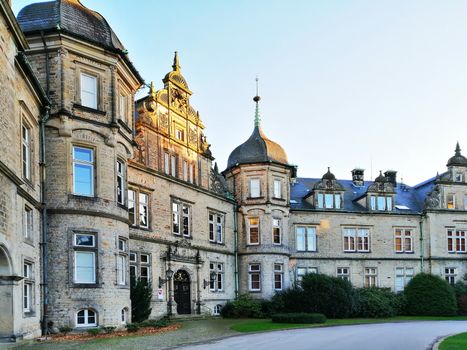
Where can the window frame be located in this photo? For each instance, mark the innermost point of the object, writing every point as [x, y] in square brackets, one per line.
[121, 175]
[26, 151]
[277, 189]
[450, 274]
[88, 164]
[216, 228]
[84, 249]
[257, 193]
[278, 270]
[370, 274]
[135, 205]
[28, 287]
[306, 238]
[302, 271]
[457, 239]
[344, 273]
[251, 273]
[178, 218]
[216, 277]
[94, 95]
[451, 206]
[254, 226]
[400, 234]
[28, 222]
[276, 228]
[356, 242]
[405, 275]
[122, 261]
[86, 317]
[138, 265]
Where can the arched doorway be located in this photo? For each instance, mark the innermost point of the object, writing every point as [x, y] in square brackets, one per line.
[182, 292]
[6, 295]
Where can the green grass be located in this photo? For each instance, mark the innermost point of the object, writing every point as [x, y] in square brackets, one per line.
[456, 342]
[262, 325]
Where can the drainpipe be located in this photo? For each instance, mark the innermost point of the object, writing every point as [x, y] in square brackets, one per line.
[235, 210]
[42, 164]
[422, 253]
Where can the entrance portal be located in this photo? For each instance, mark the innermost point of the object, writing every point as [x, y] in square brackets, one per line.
[6, 296]
[182, 292]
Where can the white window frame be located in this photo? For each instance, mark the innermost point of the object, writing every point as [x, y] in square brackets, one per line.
[173, 165]
[28, 286]
[457, 239]
[358, 239]
[86, 319]
[254, 272]
[403, 275]
[216, 227]
[450, 274]
[304, 270]
[87, 164]
[277, 189]
[278, 276]
[276, 228]
[255, 187]
[323, 203]
[92, 95]
[28, 222]
[180, 212]
[253, 226]
[26, 151]
[216, 277]
[120, 182]
[451, 206]
[343, 273]
[403, 235]
[143, 209]
[180, 134]
[166, 163]
[309, 237]
[132, 206]
[122, 261]
[84, 249]
[370, 277]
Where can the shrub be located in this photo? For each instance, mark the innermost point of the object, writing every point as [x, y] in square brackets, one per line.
[376, 302]
[298, 318]
[267, 308]
[243, 306]
[65, 329]
[132, 327]
[460, 288]
[155, 323]
[429, 295]
[108, 329]
[94, 331]
[288, 300]
[140, 295]
[331, 296]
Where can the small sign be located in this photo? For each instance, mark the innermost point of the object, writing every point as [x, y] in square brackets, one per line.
[160, 294]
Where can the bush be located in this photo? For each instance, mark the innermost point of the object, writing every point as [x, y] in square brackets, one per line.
[243, 306]
[155, 323]
[331, 296]
[140, 295]
[376, 302]
[429, 295]
[132, 327]
[298, 318]
[108, 329]
[460, 288]
[65, 329]
[94, 331]
[288, 300]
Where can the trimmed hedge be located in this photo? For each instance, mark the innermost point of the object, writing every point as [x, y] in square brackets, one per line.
[376, 302]
[243, 306]
[298, 318]
[429, 295]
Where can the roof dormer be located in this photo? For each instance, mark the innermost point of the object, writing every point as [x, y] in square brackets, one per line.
[327, 193]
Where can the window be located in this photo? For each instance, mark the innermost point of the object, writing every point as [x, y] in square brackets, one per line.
[216, 227]
[344, 273]
[179, 134]
[191, 173]
[450, 275]
[26, 151]
[458, 177]
[356, 240]
[88, 91]
[123, 108]
[302, 271]
[216, 311]
[278, 276]
[403, 276]
[185, 170]
[403, 241]
[124, 316]
[86, 318]
[383, 203]
[122, 262]
[138, 207]
[84, 258]
[306, 238]
[28, 287]
[253, 231]
[83, 171]
[199, 171]
[120, 182]
[456, 241]
[166, 164]
[27, 222]
[276, 231]
[329, 200]
[277, 189]
[450, 201]
[131, 206]
[181, 219]
[255, 190]
[173, 166]
[216, 279]
[371, 275]
[143, 210]
[254, 277]
[140, 268]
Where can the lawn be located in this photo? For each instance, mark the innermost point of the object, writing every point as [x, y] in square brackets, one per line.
[456, 342]
[262, 325]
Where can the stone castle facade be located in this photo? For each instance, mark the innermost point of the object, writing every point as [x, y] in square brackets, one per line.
[98, 189]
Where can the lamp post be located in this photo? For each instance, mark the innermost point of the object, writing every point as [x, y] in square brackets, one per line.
[212, 277]
[169, 274]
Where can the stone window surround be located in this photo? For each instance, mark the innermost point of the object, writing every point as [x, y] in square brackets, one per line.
[306, 226]
[125, 255]
[181, 203]
[356, 239]
[71, 256]
[403, 237]
[260, 194]
[216, 214]
[279, 227]
[28, 120]
[248, 218]
[124, 182]
[124, 91]
[82, 68]
[279, 272]
[344, 272]
[136, 203]
[456, 237]
[254, 272]
[96, 172]
[138, 264]
[372, 274]
[28, 223]
[31, 281]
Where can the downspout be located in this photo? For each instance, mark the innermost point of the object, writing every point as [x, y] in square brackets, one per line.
[422, 248]
[42, 164]
[235, 210]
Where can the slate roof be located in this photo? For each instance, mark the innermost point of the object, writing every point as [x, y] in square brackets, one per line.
[257, 149]
[411, 197]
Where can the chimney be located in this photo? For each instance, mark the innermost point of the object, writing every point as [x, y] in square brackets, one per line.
[357, 177]
[391, 175]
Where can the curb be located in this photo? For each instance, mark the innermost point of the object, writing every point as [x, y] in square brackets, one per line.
[439, 340]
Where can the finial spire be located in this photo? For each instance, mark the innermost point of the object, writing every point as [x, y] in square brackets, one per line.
[176, 65]
[458, 149]
[257, 99]
[151, 88]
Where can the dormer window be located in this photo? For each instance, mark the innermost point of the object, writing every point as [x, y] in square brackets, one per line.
[458, 177]
[450, 201]
[329, 201]
[381, 203]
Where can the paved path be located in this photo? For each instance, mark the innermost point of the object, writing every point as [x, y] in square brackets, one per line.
[388, 336]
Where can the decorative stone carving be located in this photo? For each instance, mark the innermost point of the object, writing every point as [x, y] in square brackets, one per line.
[433, 199]
[65, 126]
[217, 181]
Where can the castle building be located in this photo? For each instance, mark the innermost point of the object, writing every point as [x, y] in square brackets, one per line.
[98, 189]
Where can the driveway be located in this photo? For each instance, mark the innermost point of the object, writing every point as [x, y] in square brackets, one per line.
[388, 336]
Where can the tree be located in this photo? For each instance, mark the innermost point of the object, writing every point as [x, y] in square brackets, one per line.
[140, 295]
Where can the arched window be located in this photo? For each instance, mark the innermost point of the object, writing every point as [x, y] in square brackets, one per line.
[86, 318]
[217, 310]
[124, 316]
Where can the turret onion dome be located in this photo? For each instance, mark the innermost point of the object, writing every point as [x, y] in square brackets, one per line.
[328, 175]
[72, 18]
[258, 148]
[381, 177]
[458, 159]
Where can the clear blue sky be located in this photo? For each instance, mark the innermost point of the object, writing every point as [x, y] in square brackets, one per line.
[374, 84]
